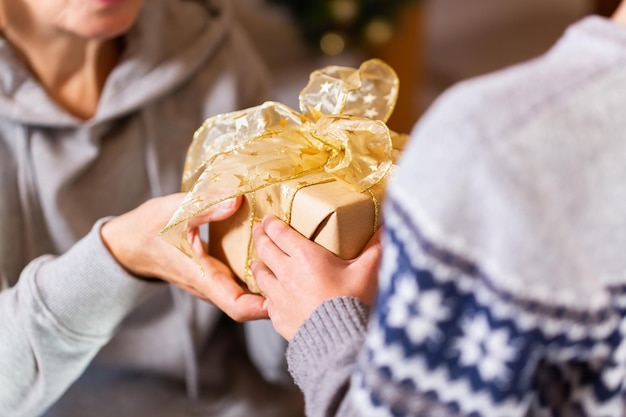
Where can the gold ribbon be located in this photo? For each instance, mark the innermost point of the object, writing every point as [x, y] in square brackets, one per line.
[340, 134]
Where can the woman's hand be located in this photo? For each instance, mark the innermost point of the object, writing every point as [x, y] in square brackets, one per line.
[297, 275]
[133, 239]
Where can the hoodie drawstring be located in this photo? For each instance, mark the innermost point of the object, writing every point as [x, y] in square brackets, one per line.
[26, 186]
[184, 303]
[151, 159]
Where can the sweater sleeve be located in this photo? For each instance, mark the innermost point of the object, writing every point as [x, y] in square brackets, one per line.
[54, 321]
[323, 352]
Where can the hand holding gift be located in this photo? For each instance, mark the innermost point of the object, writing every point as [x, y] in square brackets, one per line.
[297, 275]
[322, 170]
[132, 239]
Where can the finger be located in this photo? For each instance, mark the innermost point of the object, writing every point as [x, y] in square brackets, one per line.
[372, 252]
[219, 286]
[286, 238]
[365, 284]
[230, 297]
[216, 212]
[250, 307]
[266, 280]
[375, 239]
[160, 209]
[266, 305]
[266, 248]
[171, 202]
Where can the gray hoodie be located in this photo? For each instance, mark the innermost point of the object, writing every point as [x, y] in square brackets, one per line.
[67, 309]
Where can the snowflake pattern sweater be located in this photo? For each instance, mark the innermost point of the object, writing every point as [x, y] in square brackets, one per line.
[503, 280]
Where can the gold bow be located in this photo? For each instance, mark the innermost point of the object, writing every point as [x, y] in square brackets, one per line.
[340, 134]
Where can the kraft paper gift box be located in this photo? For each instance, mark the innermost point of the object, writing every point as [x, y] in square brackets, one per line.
[330, 214]
[323, 170]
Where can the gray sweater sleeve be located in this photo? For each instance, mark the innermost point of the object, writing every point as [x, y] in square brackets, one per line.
[323, 354]
[53, 322]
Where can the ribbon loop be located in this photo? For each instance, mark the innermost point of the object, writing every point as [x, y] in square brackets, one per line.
[363, 148]
[370, 91]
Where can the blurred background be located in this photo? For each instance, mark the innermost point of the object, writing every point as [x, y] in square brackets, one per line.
[431, 44]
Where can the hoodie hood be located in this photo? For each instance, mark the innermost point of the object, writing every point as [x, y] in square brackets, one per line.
[168, 43]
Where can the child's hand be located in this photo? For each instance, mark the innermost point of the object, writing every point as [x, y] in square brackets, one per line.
[297, 275]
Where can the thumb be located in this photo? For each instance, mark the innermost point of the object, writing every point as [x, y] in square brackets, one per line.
[370, 256]
[220, 211]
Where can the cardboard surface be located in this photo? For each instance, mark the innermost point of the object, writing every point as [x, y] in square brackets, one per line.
[330, 214]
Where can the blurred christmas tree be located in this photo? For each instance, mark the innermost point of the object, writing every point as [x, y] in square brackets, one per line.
[336, 25]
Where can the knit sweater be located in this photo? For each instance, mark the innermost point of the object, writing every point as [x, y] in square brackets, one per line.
[502, 289]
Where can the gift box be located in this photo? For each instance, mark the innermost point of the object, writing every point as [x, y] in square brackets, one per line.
[330, 214]
[322, 170]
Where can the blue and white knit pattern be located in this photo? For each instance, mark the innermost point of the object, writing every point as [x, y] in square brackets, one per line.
[447, 341]
[503, 281]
